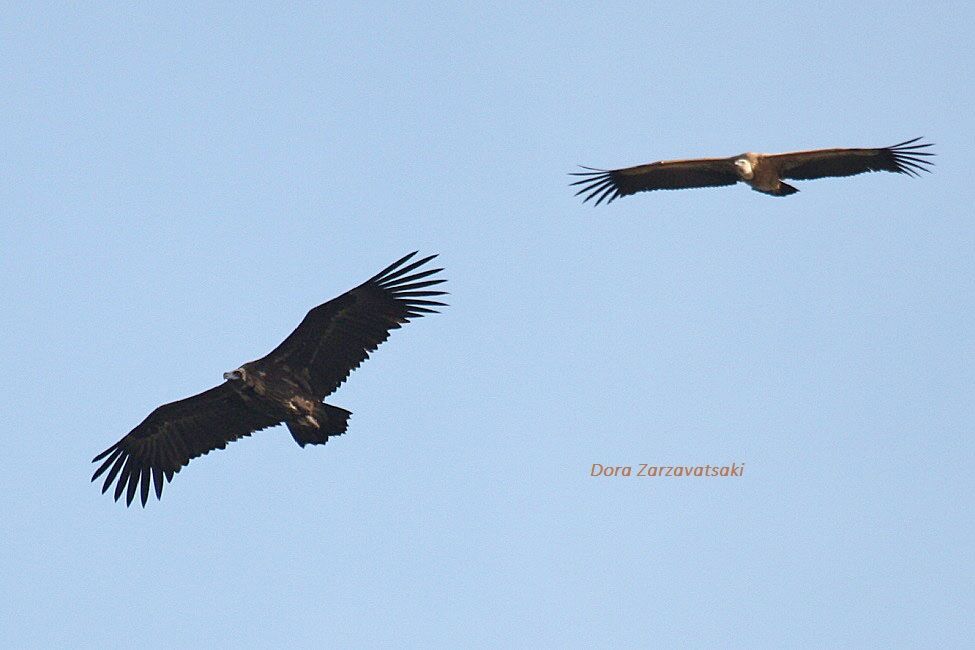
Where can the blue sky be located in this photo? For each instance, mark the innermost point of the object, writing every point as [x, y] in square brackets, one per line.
[180, 185]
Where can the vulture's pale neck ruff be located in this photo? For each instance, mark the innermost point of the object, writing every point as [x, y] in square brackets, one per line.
[744, 167]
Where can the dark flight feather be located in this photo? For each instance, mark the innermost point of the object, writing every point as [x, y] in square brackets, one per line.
[337, 336]
[903, 158]
[173, 435]
[609, 185]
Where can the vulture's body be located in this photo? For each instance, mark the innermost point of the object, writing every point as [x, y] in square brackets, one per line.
[288, 385]
[763, 172]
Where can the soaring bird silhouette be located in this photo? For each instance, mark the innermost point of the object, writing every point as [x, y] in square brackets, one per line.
[288, 385]
[764, 172]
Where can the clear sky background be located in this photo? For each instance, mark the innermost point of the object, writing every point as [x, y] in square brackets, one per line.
[180, 185]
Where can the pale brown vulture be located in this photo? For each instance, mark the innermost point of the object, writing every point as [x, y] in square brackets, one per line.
[288, 385]
[764, 172]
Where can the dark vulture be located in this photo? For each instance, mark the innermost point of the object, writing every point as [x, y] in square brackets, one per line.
[764, 172]
[288, 385]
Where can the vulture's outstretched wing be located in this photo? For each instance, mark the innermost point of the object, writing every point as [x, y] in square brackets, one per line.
[609, 185]
[337, 336]
[903, 158]
[174, 434]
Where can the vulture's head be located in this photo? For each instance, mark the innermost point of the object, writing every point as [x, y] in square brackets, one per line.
[744, 168]
[235, 375]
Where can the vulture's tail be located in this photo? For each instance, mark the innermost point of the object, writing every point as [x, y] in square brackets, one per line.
[784, 189]
[332, 420]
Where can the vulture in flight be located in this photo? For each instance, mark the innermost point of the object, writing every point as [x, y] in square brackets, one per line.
[288, 385]
[764, 172]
